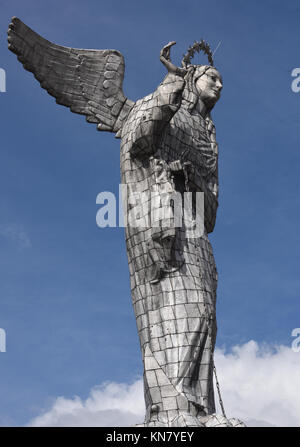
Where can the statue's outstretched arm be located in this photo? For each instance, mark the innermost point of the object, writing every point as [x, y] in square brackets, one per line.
[89, 82]
[156, 111]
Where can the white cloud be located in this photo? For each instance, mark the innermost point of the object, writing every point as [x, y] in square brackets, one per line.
[259, 386]
[108, 405]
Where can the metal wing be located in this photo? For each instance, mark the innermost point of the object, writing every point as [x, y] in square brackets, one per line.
[89, 82]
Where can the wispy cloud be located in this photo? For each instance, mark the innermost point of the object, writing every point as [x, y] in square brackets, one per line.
[16, 234]
[259, 386]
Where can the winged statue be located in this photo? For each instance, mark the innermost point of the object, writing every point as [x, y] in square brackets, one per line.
[168, 152]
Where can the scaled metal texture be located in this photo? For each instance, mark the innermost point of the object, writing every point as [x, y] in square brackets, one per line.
[168, 148]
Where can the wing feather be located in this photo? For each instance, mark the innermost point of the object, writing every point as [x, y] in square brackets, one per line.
[89, 82]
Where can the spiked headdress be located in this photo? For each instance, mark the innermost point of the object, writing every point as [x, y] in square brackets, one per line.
[197, 47]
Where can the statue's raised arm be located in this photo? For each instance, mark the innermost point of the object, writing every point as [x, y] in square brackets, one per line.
[89, 82]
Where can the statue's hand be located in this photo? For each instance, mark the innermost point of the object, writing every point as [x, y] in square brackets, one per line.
[171, 88]
[178, 165]
[165, 59]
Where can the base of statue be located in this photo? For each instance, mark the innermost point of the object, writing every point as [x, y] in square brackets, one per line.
[186, 420]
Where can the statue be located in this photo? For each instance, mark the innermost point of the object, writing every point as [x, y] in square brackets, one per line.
[168, 148]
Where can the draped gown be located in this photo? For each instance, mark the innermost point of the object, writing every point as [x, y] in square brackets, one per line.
[173, 276]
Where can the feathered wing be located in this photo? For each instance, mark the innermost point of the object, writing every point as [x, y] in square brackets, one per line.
[89, 82]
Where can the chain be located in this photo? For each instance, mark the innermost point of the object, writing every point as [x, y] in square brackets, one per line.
[219, 391]
[213, 362]
[207, 319]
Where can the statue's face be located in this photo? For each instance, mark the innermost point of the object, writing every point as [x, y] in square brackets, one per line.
[209, 86]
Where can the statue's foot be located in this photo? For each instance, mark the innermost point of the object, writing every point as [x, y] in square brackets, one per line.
[183, 420]
[186, 420]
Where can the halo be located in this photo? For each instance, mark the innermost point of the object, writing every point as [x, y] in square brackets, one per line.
[197, 47]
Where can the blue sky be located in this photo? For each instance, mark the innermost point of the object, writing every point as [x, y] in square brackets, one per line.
[64, 291]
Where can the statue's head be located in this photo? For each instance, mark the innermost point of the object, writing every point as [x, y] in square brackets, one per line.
[203, 82]
[208, 84]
